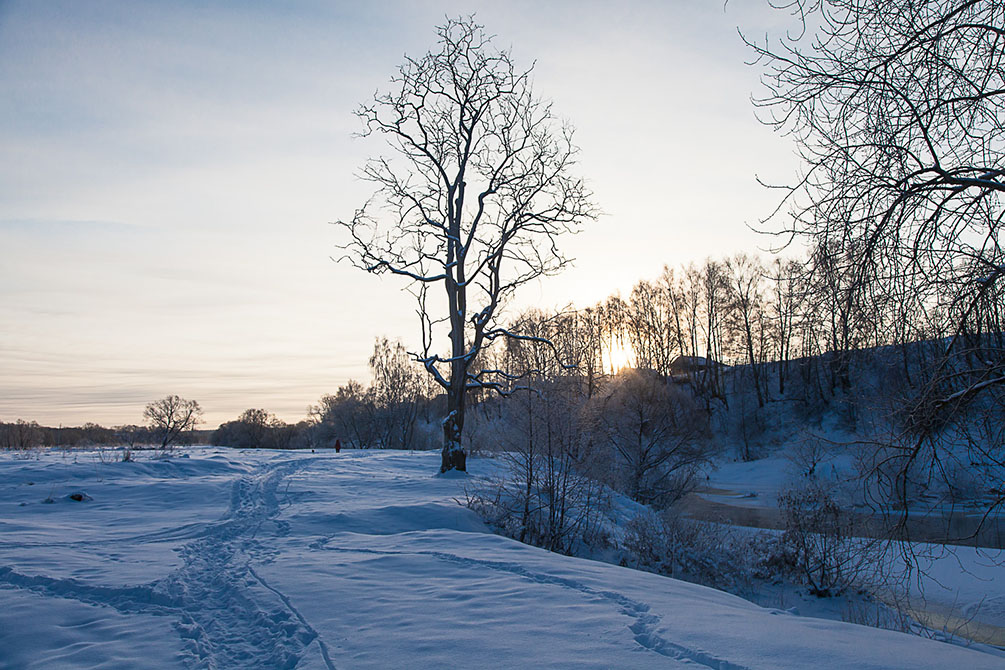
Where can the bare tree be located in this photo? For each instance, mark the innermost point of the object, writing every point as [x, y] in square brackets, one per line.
[691, 301]
[744, 276]
[170, 417]
[673, 288]
[615, 319]
[472, 202]
[898, 108]
[650, 326]
[784, 302]
[396, 390]
[547, 497]
[546, 332]
[656, 433]
[257, 424]
[587, 341]
[348, 416]
[714, 293]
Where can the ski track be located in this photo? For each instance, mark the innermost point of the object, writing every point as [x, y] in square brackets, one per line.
[643, 627]
[221, 614]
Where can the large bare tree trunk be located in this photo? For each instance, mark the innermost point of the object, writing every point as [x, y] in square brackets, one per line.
[453, 455]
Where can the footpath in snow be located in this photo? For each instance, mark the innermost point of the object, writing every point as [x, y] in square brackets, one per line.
[228, 559]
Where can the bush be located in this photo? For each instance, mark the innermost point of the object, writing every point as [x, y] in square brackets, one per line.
[705, 553]
[821, 544]
[546, 497]
[656, 436]
[808, 453]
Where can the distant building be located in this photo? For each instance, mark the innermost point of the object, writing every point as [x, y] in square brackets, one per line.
[688, 365]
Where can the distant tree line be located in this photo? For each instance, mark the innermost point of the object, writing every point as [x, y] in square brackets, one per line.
[783, 321]
[258, 429]
[393, 412]
[23, 435]
[170, 421]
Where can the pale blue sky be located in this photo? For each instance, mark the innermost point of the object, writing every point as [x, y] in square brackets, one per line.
[168, 171]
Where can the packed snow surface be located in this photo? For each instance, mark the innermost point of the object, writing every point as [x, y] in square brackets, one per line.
[226, 559]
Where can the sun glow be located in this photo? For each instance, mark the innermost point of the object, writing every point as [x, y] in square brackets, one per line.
[620, 355]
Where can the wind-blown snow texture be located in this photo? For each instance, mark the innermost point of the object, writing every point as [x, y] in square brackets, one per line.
[225, 559]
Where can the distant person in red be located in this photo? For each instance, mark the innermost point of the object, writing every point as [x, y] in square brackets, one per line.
[338, 446]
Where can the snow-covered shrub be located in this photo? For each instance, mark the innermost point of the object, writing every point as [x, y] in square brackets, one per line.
[557, 518]
[822, 543]
[705, 553]
[654, 434]
[545, 496]
[487, 428]
[808, 453]
[106, 455]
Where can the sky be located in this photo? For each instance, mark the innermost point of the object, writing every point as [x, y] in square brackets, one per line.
[169, 173]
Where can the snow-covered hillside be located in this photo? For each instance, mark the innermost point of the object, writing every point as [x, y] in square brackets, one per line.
[227, 559]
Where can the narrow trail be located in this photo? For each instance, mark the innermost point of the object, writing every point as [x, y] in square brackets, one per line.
[225, 613]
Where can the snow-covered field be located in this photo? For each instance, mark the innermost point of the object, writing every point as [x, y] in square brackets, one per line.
[225, 559]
